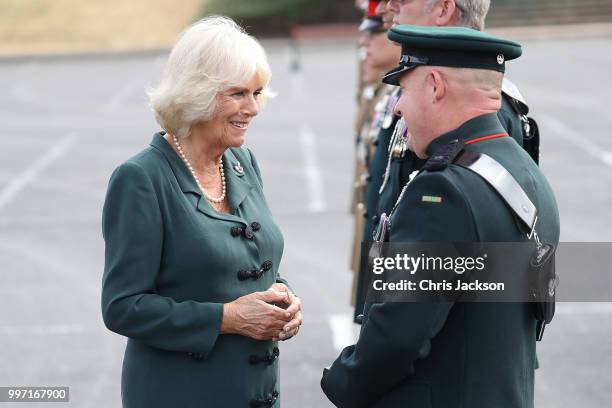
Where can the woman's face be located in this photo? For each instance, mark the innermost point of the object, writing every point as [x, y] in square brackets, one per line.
[236, 106]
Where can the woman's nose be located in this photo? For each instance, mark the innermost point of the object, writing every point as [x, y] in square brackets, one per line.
[251, 107]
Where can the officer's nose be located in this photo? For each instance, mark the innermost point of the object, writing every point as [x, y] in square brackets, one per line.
[397, 110]
[364, 40]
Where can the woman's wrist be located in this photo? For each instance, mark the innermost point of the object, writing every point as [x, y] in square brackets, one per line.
[227, 323]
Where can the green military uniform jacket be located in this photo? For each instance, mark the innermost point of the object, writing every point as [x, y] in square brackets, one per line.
[171, 263]
[377, 168]
[400, 170]
[451, 355]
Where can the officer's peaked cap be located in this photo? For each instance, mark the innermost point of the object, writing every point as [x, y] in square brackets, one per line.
[457, 47]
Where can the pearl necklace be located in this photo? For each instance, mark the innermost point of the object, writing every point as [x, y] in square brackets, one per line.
[219, 199]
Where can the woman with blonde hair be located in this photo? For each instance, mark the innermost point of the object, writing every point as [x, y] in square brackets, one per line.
[191, 273]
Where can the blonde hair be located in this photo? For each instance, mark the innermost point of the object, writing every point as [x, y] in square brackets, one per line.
[211, 55]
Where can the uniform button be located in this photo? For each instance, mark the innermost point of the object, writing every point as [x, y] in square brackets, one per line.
[368, 178]
[359, 319]
[243, 274]
[248, 233]
[255, 226]
[200, 356]
[190, 354]
[235, 231]
[375, 219]
[365, 214]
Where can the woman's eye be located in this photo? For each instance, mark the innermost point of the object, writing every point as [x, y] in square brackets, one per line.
[238, 94]
[256, 93]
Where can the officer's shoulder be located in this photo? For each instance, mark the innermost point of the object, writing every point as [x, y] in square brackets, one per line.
[442, 186]
[514, 96]
[441, 174]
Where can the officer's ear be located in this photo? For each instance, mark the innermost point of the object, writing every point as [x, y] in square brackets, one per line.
[446, 13]
[437, 85]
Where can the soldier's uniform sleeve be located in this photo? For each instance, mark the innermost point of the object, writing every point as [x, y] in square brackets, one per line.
[395, 335]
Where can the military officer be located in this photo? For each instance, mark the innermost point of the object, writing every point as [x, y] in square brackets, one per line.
[381, 55]
[452, 354]
[401, 162]
[472, 13]
[371, 91]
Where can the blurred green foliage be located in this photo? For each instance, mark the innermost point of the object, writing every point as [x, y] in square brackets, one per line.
[255, 9]
[276, 17]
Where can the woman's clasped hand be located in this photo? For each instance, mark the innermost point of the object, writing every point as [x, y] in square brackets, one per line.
[275, 314]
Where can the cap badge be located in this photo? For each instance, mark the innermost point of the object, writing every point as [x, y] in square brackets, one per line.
[500, 59]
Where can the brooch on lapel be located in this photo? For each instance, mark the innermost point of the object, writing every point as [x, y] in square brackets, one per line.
[238, 169]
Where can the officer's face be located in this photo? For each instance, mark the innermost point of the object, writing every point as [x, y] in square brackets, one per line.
[381, 53]
[415, 12]
[236, 106]
[414, 106]
[369, 74]
[383, 11]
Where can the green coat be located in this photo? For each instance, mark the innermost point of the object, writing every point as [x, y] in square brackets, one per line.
[171, 262]
[451, 355]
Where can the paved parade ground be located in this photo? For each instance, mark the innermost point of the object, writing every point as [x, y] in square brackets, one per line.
[68, 122]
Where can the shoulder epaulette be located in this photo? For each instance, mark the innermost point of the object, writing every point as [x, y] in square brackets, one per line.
[444, 157]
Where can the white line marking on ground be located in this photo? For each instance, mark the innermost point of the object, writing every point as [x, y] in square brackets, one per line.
[298, 91]
[42, 329]
[559, 128]
[118, 99]
[344, 331]
[9, 192]
[312, 171]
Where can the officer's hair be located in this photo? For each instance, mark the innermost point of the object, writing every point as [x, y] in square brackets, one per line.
[472, 13]
[211, 55]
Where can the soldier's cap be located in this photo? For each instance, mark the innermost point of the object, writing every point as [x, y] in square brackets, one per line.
[372, 25]
[371, 21]
[457, 47]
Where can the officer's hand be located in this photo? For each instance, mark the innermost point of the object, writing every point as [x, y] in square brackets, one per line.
[255, 316]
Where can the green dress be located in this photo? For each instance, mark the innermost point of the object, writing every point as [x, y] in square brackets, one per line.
[451, 355]
[171, 262]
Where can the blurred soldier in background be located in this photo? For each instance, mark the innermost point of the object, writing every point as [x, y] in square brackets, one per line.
[370, 86]
[401, 163]
[375, 122]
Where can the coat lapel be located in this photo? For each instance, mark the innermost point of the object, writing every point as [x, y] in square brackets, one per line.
[237, 186]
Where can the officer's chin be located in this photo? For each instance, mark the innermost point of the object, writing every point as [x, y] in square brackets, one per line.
[420, 154]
